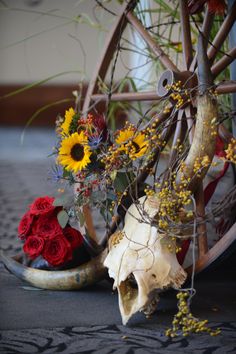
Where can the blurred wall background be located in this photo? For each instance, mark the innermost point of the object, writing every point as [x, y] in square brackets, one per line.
[41, 39]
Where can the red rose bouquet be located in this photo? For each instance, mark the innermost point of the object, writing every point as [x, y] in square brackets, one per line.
[43, 235]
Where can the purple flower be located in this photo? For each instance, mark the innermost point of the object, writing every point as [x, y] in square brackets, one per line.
[94, 141]
[56, 174]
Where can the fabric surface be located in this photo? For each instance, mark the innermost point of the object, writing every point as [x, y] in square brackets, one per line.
[115, 339]
[88, 321]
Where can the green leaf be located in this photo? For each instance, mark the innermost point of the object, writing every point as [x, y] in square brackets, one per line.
[62, 218]
[38, 83]
[60, 201]
[42, 109]
[111, 196]
[113, 174]
[121, 181]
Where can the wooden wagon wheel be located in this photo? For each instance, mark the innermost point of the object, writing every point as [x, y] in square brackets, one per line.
[172, 73]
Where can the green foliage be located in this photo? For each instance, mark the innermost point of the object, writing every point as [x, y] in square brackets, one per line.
[38, 83]
[121, 181]
[63, 218]
[74, 123]
[62, 201]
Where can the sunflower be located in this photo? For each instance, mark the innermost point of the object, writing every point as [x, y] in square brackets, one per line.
[65, 127]
[74, 153]
[124, 136]
[132, 142]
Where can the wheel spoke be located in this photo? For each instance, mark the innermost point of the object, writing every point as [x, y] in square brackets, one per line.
[186, 34]
[201, 229]
[225, 135]
[226, 87]
[216, 251]
[107, 53]
[222, 33]
[222, 64]
[89, 222]
[154, 46]
[177, 136]
[206, 29]
[222, 88]
[128, 96]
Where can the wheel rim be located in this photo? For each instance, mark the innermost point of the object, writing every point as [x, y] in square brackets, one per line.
[189, 66]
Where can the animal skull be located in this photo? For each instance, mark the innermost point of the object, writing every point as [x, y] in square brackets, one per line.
[139, 262]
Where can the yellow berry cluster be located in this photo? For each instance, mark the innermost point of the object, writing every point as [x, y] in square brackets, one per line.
[163, 224]
[178, 98]
[116, 238]
[178, 147]
[111, 209]
[170, 244]
[176, 86]
[112, 159]
[166, 110]
[185, 323]
[120, 195]
[172, 199]
[179, 95]
[149, 191]
[152, 136]
[200, 163]
[214, 93]
[231, 151]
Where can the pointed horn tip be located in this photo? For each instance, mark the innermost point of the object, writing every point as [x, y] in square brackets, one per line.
[75, 278]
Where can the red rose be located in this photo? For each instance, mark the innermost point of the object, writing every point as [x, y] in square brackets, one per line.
[25, 224]
[33, 246]
[46, 226]
[42, 206]
[57, 250]
[73, 236]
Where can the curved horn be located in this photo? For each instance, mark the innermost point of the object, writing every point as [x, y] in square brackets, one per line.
[71, 279]
[205, 132]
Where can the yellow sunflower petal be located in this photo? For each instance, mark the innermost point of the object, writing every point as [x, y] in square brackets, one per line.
[65, 127]
[139, 146]
[132, 142]
[74, 153]
[124, 136]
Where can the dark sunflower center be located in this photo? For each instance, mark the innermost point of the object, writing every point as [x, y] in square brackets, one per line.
[77, 152]
[136, 147]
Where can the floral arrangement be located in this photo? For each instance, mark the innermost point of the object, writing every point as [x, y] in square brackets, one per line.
[43, 235]
[100, 163]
